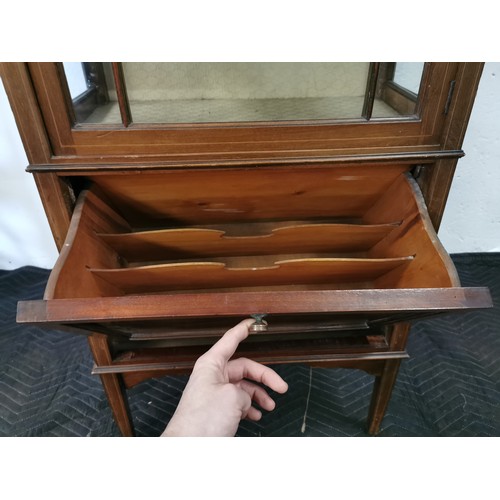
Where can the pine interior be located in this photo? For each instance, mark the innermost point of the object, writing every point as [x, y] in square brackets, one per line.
[323, 227]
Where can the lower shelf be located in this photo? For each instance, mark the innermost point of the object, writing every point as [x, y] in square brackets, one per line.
[325, 349]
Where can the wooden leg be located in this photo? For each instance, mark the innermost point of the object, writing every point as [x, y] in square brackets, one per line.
[113, 385]
[381, 395]
[384, 383]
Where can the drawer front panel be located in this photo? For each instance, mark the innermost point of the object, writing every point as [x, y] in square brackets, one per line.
[342, 307]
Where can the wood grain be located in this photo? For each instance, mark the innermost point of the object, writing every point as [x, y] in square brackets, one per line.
[206, 275]
[82, 248]
[242, 304]
[192, 197]
[196, 242]
[432, 266]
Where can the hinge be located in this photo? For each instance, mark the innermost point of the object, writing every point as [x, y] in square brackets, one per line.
[416, 171]
[450, 95]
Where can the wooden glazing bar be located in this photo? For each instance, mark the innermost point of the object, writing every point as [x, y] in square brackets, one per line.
[370, 90]
[121, 93]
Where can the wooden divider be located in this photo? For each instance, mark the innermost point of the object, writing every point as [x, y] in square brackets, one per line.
[211, 275]
[200, 242]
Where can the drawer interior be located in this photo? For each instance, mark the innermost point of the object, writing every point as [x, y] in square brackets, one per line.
[243, 229]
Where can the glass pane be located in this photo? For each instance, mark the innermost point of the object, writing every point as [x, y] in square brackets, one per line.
[397, 89]
[241, 92]
[93, 93]
[408, 75]
[75, 75]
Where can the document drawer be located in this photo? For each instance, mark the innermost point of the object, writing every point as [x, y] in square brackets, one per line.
[148, 250]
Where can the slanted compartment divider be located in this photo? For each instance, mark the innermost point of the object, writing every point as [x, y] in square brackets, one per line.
[211, 275]
[186, 242]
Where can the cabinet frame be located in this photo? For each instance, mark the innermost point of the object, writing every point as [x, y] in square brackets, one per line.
[61, 156]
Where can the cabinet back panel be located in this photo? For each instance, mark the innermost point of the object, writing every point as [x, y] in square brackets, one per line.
[174, 198]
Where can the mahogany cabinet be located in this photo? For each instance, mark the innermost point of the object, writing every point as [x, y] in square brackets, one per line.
[180, 211]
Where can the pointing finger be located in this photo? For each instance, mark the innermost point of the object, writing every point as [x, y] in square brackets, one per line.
[227, 345]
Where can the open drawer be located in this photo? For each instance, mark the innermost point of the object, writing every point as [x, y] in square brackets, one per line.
[175, 255]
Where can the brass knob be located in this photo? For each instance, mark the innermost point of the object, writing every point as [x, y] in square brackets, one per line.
[260, 325]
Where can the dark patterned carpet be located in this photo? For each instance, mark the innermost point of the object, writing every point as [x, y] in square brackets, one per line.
[450, 386]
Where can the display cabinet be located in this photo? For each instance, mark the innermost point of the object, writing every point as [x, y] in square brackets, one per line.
[185, 197]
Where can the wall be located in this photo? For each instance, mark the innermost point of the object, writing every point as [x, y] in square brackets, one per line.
[25, 237]
[471, 222]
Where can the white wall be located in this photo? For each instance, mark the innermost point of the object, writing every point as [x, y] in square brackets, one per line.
[471, 222]
[25, 237]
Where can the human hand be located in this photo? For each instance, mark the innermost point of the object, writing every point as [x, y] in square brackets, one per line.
[218, 395]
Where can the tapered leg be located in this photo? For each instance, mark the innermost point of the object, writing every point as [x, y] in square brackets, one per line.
[384, 383]
[381, 395]
[113, 385]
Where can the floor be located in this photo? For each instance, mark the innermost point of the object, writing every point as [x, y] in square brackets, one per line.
[450, 386]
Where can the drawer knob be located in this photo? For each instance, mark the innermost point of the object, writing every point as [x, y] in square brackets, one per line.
[260, 325]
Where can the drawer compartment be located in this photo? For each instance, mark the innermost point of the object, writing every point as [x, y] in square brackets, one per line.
[325, 240]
